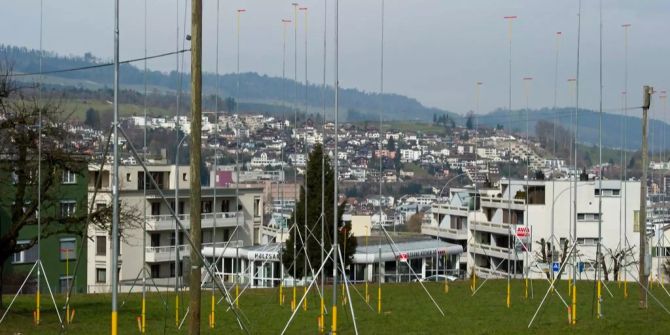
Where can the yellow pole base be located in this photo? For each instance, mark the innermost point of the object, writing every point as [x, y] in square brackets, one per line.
[574, 304]
[115, 329]
[509, 291]
[144, 316]
[526, 290]
[379, 300]
[37, 308]
[333, 326]
[176, 310]
[304, 302]
[625, 290]
[212, 323]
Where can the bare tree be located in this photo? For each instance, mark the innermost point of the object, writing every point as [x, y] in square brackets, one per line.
[23, 117]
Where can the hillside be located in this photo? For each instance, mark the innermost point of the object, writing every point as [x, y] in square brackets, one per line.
[254, 88]
[613, 126]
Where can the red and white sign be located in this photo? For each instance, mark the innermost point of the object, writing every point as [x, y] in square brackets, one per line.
[522, 231]
[522, 242]
[403, 257]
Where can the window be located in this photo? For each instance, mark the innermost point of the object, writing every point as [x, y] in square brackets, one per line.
[67, 208]
[172, 271]
[128, 177]
[68, 248]
[206, 206]
[25, 256]
[155, 208]
[587, 241]
[155, 271]
[101, 245]
[607, 192]
[183, 177]
[155, 240]
[100, 275]
[257, 207]
[588, 216]
[65, 282]
[69, 177]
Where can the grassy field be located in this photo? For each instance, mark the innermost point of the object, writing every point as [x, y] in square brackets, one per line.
[406, 310]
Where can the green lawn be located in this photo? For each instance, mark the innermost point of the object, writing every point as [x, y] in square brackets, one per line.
[406, 310]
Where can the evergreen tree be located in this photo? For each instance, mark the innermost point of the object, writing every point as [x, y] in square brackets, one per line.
[313, 194]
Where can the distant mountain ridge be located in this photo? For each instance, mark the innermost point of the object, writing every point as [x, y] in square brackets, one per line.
[614, 125]
[355, 105]
[277, 94]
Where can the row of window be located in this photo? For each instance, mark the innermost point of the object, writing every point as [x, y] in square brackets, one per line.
[607, 192]
[206, 206]
[67, 250]
[68, 177]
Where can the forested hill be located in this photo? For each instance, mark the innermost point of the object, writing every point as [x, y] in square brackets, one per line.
[254, 87]
[614, 125]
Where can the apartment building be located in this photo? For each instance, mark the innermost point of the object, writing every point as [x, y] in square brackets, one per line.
[502, 231]
[226, 220]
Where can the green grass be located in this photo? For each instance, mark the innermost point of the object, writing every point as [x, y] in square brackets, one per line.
[406, 310]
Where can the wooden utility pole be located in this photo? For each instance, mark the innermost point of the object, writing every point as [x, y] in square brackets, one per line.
[196, 128]
[642, 223]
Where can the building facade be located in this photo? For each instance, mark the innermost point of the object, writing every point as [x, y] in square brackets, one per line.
[503, 230]
[229, 220]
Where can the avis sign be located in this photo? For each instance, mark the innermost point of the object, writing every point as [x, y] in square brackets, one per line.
[523, 239]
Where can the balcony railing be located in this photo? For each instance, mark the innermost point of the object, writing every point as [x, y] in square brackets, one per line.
[498, 202]
[167, 253]
[500, 228]
[223, 219]
[458, 234]
[490, 250]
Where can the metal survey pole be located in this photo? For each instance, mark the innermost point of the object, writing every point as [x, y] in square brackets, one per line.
[336, 165]
[642, 228]
[115, 176]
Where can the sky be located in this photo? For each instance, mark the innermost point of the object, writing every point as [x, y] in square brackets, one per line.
[434, 51]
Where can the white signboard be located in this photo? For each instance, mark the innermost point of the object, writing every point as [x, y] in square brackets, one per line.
[523, 241]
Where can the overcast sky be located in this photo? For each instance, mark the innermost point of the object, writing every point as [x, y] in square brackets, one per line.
[435, 51]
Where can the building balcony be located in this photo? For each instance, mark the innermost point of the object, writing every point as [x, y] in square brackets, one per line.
[494, 202]
[167, 253]
[441, 232]
[494, 251]
[448, 209]
[223, 220]
[491, 227]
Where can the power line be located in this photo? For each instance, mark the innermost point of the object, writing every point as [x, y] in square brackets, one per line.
[100, 65]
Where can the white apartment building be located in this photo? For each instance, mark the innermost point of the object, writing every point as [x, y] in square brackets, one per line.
[240, 227]
[487, 228]
[409, 155]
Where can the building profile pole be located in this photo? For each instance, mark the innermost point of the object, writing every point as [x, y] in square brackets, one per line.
[642, 223]
[115, 178]
[336, 166]
[322, 323]
[510, 245]
[194, 150]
